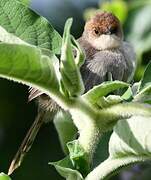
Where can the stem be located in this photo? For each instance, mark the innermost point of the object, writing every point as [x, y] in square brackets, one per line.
[91, 123]
[63, 101]
[109, 116]
[109, 166]
[84, 118]
[89, 138]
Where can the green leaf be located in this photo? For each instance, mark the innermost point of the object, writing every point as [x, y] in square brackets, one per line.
[19, 20]
[144, 91]
[101, 152]
[111, 167]
[26, 64]
[128, 95]
[124, 111]
[102, 90]
[114, 113]
[79, 157]
[7, 37]
[65, 128]
[146, 80]
[25, 2]
[110, 100]
[70, 71]
[131, 137]
[66, 170]
[80, 56]
[129, 143]
[4, 177]
[144, 95]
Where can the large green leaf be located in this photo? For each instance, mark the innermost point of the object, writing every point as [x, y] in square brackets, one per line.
[18, 19]
[25, 2]
[131, 138]
[129, 143]
[28, 65]
[7, 37]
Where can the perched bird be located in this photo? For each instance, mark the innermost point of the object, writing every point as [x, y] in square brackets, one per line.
[106, 52]
[107, 57]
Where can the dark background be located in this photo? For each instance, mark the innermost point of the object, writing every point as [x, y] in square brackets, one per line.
[17, 115]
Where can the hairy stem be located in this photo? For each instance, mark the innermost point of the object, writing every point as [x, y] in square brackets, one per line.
[84, 117]
[109, 116]
[110, 166]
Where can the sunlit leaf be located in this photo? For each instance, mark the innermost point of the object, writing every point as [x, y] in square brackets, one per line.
[78, 157]
[26, 64]
[110, 100]
[19, 20]
[128, 95]
[71, 76]
[103, 89]
[25, 2]
[7, 37]
[66, 170]
[129, 143]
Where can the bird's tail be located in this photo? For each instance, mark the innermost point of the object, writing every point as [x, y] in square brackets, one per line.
[27, 142]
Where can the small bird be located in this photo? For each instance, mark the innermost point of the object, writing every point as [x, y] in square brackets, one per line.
[106, 52]
[107, 57]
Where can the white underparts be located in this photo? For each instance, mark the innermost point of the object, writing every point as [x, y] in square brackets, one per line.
[105, 42]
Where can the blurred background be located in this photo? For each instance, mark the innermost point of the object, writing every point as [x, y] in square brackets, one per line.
[17, 115]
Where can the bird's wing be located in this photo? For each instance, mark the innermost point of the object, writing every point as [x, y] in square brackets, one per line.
[130, 59]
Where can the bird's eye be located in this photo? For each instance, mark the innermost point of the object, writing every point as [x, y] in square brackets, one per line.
[96, 32]
[113, 30]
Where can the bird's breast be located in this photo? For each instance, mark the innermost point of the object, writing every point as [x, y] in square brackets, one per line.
[95, 70]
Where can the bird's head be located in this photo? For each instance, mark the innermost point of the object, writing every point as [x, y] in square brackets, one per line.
[103, 31]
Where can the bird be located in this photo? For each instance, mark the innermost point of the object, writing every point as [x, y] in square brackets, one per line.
[107, 56]
[106, 51]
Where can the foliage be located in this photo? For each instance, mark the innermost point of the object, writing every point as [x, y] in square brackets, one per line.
[29, 57]
[19, 20]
